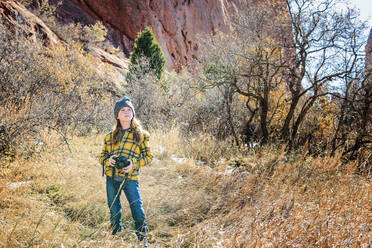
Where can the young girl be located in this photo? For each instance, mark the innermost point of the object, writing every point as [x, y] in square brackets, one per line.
[130, 141]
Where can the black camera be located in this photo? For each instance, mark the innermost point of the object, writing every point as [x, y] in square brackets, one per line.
[121, 162]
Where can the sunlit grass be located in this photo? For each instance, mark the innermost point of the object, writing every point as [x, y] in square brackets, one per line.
[252, 197]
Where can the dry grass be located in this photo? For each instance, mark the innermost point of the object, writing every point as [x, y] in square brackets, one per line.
[255, 198]
[313, 203]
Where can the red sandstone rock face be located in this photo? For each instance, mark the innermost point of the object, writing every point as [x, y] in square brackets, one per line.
[175, 23]
[16, 15]
[18, 19]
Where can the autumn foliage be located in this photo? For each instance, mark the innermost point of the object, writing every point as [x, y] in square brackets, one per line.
[268, 144]
[45, 90]
[299, 78]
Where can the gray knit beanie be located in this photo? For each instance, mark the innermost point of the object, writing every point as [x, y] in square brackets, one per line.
[125, 102]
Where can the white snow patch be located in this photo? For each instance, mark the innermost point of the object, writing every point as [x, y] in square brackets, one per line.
[18, 184]
[179, 160]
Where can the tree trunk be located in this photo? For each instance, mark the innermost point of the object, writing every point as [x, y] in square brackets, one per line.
[228, 96]
[340, 127]
[263, 122]
[296, 125]
[285, 129]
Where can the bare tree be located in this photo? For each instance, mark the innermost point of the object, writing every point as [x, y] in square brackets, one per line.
[354, 122]
[309, 46]
[328, 45]
[250, 59]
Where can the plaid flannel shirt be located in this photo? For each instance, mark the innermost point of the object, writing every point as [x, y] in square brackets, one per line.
[140, 154]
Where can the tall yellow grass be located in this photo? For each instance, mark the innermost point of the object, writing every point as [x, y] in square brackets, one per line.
[248, 198]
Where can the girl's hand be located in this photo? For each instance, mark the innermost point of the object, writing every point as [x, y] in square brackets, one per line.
[128, 168]
[112, 161]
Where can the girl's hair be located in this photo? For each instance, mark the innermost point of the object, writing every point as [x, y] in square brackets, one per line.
[137, 127]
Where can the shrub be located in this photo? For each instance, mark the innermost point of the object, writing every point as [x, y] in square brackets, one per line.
[46, 89]
[145, 46]
[94, 33]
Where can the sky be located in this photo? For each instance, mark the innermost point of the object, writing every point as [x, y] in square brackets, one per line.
[365, 7]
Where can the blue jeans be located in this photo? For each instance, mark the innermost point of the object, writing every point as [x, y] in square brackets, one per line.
[133, 195]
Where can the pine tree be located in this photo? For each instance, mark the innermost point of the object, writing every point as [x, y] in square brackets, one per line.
[146, 57]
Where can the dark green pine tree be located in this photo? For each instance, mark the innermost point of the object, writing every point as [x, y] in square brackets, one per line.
[146, 48]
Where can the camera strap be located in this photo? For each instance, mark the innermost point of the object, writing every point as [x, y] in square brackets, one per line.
[120, 147]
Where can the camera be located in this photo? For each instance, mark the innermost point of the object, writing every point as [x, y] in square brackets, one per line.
[121, 162]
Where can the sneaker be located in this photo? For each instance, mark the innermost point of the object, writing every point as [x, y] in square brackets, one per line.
[140, 235]
[145, 243]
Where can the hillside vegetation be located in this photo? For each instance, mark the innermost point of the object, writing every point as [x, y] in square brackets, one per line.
[266, 143]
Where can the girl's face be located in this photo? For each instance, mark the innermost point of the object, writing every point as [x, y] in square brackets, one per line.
[125, 114]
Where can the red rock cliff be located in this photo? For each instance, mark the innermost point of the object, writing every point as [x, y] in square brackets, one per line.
[175, 23]
[15, 15]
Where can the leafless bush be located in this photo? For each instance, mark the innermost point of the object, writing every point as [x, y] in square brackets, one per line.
[181, 100]
[42, 89]
[148, 96]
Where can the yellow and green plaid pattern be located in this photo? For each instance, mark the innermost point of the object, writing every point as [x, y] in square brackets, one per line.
[140, 154]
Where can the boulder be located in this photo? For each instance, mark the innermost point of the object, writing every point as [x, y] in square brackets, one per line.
[16, 17]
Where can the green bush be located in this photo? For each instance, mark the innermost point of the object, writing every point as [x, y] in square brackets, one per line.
[146, 47]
